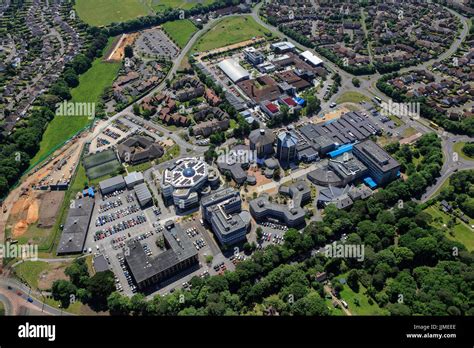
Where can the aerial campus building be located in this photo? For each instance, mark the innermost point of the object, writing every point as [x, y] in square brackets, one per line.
[236, 162]
[261, 141]
[112, 184]
[183, 183]
[180, 254]
[344, 197]
[381, 166]
[292, 215]
[138, 149]
[286, 147]
[364, 161]
[233, 70]
[314, 141]
[222, 210]
[76, 227]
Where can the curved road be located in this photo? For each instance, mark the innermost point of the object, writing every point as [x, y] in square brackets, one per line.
[19, 289]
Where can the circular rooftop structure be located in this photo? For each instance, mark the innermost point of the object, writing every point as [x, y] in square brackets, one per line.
[187, 173]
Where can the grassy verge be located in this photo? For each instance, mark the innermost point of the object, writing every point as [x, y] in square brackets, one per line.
[458, 148]
[408, 132]
[30, 271]
[398, 122]
[139, 167]
[91, 86]
[460, 232]
[170, 153]
[77, 307]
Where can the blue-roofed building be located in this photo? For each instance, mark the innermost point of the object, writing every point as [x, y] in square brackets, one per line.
[299, 101]
[370, 182]
[342, 149]
[90, 191]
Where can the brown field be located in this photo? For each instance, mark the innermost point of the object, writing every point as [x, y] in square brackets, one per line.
[24, 212]
[35, 207]
[50, 203]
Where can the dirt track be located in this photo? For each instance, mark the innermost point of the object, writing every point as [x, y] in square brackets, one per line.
[117, 52]
[16, 207]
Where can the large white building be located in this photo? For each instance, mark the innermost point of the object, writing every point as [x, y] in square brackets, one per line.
[233, 70]
[183, 183]
[311, 58]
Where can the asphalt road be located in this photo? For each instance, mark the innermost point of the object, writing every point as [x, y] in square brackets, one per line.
[18, 287]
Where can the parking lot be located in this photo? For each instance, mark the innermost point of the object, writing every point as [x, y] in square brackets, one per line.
[273, 233]
[154, 42]
[109, 137]
[116, 219]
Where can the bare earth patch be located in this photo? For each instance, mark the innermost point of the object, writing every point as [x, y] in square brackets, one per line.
[55, 272]
[50, 204]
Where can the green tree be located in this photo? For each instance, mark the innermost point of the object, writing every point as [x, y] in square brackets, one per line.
[63, 291]
[128, 51]
[310, 305]
[100, 286]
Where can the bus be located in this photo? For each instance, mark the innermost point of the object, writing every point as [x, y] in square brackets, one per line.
[433, 125]
[377, 100]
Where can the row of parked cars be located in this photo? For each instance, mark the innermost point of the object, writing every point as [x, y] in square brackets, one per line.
[275, 226]
[237, 258]
[199, 244]
[191, 232]
[110, 205]
[130, 198]
[220, 267]
[127, 275]
[147, 249]
[156, 211]
[104, 219]
[102, 142]
[112, 195]
[112, 134]
[121, 226]
[275, 238]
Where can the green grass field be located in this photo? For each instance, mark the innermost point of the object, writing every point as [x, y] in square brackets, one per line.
[229, 31]
[2, 309]
[180, 31]
[161, 5]
[170, 153]
[104, 12]
[91, 85]
[460, 232]
[352, 97]
[139, 167]
[408, 132]
[363, 308]
[103, 170]
[99, 158]
[30, 271]
[397, 120]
